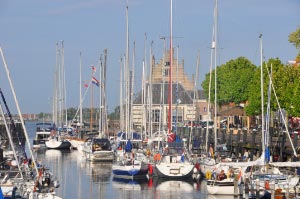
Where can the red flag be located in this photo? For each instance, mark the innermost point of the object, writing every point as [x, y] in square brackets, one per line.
[85, 85]
[94, 68]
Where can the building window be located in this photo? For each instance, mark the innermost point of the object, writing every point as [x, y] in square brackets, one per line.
[166, 72]
[167, 63]
[155, 115]
[204, 109]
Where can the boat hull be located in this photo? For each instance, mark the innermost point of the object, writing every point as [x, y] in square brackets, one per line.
[100, 156]
[58, 144]
[130, 171]
[224, 187]
[174, 170]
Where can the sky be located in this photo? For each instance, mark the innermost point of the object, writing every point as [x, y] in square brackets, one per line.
[30, 30]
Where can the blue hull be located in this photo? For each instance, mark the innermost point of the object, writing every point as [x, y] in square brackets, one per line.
[129, 172]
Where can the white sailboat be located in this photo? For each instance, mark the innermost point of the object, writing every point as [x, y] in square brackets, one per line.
[174, 162]
[57, 139]
[130, 164]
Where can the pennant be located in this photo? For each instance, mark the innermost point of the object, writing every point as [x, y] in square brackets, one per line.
[85, 85]
[94, 68]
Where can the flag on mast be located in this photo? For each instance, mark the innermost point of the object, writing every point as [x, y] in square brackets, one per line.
[94, 68]
[95, 81]
[85, 85]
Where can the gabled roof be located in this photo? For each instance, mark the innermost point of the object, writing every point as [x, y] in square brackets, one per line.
[183, 95]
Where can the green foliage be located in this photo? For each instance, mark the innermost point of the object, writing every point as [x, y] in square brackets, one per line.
[290, 93]
[275, 68]
[294, 38]
[233, 79]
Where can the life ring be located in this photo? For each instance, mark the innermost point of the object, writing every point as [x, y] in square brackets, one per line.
[208, 175]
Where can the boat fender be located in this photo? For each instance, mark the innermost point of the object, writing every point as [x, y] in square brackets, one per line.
[150, 169]
[208, 175]
[197, 166]
[195, 170]
[267, 185]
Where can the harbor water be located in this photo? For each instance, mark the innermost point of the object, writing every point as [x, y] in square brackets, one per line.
[83, 179]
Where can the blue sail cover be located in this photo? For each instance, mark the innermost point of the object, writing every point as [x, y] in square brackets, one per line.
[267, 154]
[1, 194]
[133, 136]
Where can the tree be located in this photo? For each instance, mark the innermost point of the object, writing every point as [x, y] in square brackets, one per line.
[294, 38]
[285, 80]
[233, 79]
[276, 69]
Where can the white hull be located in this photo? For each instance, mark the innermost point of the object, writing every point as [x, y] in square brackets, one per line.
[7, 190]
[57, 144]
[174, 170]
[224, 187]
[99, 155]
[35, 195]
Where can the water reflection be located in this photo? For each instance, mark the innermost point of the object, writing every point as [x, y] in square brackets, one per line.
[220, 197]
[101, 172]
[127, 184]
[171, 185]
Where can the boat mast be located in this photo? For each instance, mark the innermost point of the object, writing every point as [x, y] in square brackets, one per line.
[195, 98]
[212, 60]
[80, 91]
[262, 96]
[127, 73]
[132, 86]
[215, 62]
[162, 89]
[144, 123]
[92, 104]
[170, 72]
[64, 82]
[121, 120]
[150, 91]
[55, 86]
[103, 89]
[177, 102]
[100, 121]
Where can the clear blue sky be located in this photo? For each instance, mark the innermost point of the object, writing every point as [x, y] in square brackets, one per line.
[30, 29]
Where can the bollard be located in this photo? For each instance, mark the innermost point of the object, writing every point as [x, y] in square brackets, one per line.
[272, 186]
[235, 183]
[257, 189]
[246, 188]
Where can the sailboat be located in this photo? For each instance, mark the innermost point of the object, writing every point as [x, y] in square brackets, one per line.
[174, 162]
[263, 176]
[57, 139]
[130, 164]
